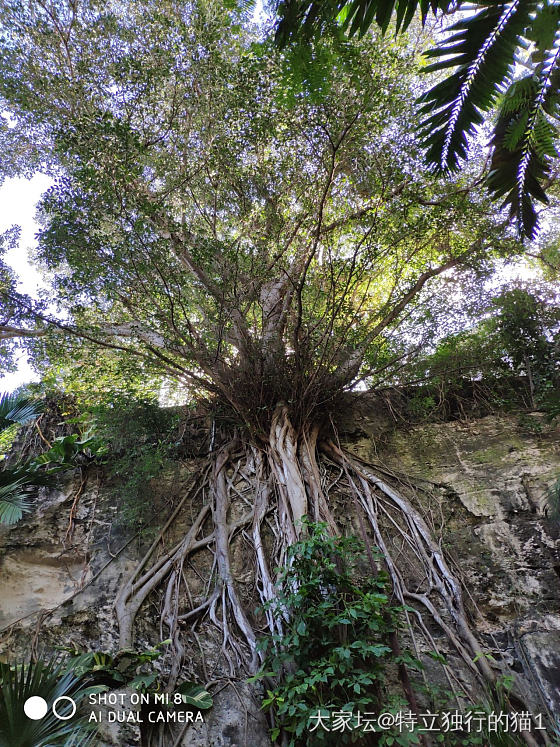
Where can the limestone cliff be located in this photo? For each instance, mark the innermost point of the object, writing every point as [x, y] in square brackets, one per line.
[489, 509]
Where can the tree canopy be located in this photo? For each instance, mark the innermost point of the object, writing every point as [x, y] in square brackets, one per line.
[255, 243]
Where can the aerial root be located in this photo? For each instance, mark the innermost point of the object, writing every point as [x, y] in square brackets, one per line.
[385, 507]
[254, 494]
[221, 601]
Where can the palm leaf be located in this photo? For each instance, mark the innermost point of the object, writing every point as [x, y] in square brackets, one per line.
[14, 490]
[525, 141]
[481, 48]
[302, 20]
[17, 409]
[48, 680]
[13, 503]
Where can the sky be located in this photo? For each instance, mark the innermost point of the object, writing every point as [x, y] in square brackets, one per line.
[18, 200]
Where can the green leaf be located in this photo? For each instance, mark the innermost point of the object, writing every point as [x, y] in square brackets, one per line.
[195, 695]
[142, 681]
[17, 409]
[481, 49]
[13, 502]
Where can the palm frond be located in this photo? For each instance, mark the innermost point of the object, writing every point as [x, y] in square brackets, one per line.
[481, 48]
[360, 14]
[14, 490]
[13, 503]
[525, 141]
[49, 680]
[302, 20]
[15, 408]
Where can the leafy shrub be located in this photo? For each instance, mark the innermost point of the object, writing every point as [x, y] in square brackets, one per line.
[130, 668]
[141, 438]
[333, 653]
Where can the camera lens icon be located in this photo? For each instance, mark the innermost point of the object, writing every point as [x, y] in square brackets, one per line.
[36, 708]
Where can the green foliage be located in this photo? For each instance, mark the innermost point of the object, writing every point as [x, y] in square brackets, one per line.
[553, 501]
[142, 442]
[49, 680]
[7, 437]
[134, 669]
[190, 182]
[496, 701]
[90, 374]
[15, 408]
[333, 653]
[195, 695]
[64, 451]
[529, 329]
[307, 19]
[135, 437]
[15, 481]
[125, 668]
[15, 305]
[473, 716]
[84, 674]
[510, 360]
[13, 499]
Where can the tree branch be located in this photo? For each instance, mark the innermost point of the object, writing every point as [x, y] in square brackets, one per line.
[7, 332]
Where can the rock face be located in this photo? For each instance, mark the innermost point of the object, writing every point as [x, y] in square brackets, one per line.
[497, 475]
[58, 579]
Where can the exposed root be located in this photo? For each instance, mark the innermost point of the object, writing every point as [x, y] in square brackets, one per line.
[135, 590]
[385, 507]
[222, 543]
[259, 495]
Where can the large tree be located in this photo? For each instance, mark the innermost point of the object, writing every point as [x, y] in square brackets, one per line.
[265, 248]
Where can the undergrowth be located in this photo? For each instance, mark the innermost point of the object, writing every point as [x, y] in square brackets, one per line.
[333, 653]
[331, 672]
[142, 442]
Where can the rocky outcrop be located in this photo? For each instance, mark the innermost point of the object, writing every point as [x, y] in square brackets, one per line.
[492, 479]
[495, 478]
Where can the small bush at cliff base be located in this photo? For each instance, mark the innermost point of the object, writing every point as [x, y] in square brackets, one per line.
[333, 653]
